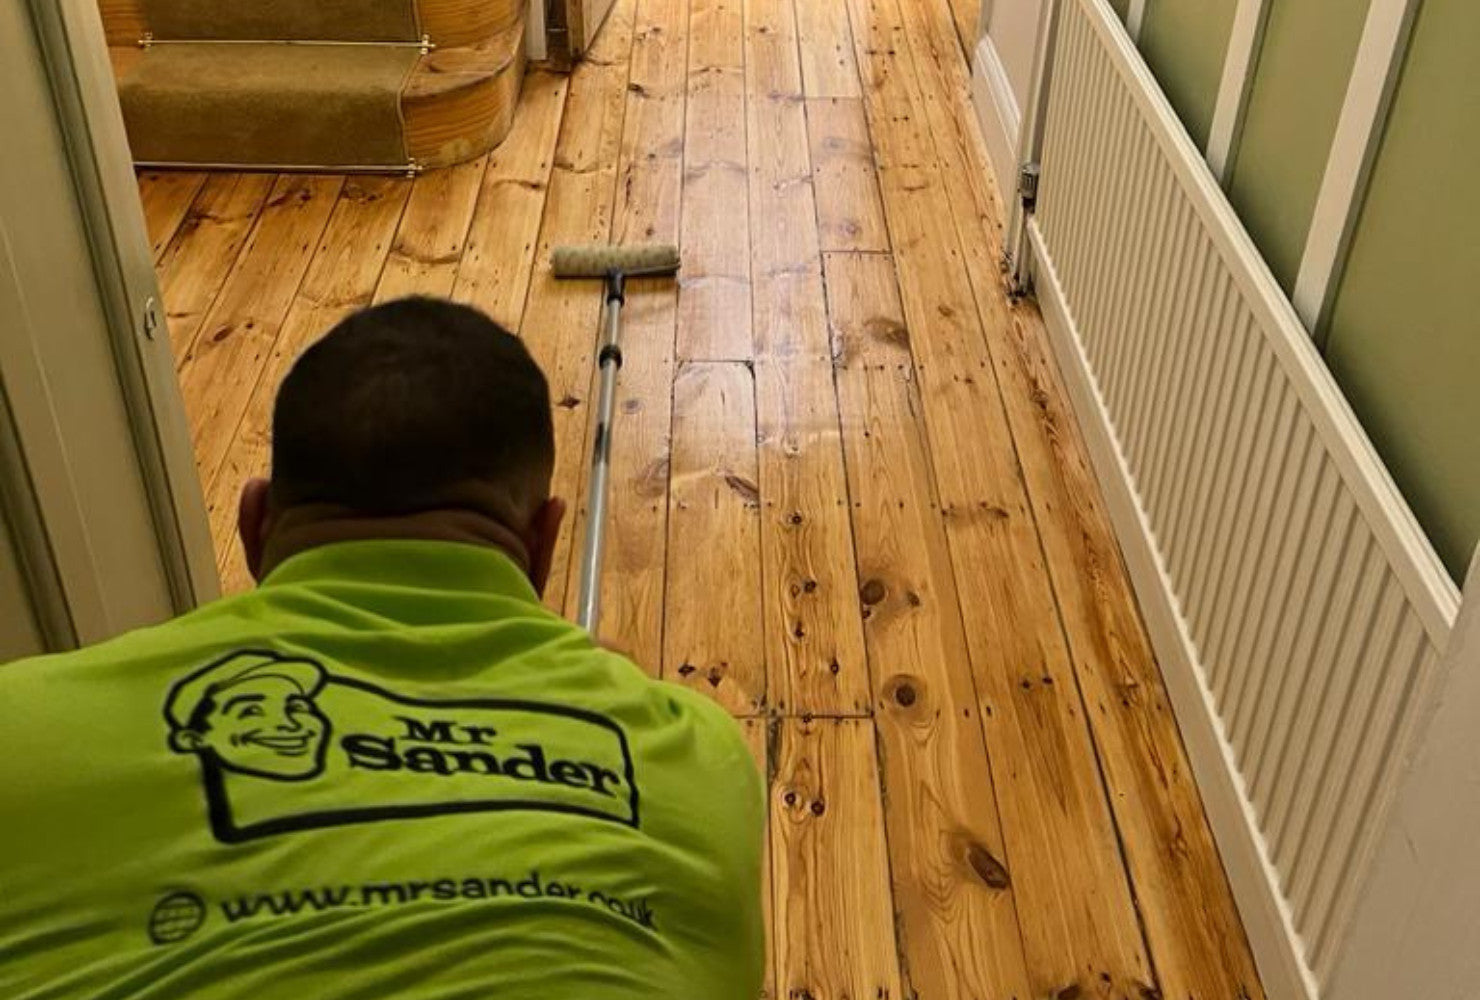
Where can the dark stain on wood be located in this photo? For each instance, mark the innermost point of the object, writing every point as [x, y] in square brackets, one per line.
[749, 491]
[653, 482]
[991, 871]
[887, 330]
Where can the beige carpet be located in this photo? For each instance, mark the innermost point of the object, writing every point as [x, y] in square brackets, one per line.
[267, 105]
[337, 20]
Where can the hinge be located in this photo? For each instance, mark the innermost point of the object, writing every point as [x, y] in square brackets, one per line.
[426, 45]
[1027, 186]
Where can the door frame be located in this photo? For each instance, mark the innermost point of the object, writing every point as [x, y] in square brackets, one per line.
[104, 545]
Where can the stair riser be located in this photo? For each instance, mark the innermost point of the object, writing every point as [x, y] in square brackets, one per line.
[268, 105]
[296, 20]
[445, 22]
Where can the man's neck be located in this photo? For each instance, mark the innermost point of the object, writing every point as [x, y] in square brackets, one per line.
[298, 529]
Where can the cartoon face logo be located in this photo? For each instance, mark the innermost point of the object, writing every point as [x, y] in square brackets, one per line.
[252, 713]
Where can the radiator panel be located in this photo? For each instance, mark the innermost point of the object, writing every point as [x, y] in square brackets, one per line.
[1313, 608]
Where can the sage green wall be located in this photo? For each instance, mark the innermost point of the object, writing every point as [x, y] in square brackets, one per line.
[1120, 7]
[1184, 42]
[1295, 97]
[1404, 338]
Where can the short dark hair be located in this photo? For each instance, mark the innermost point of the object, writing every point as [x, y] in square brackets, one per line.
[401, 403]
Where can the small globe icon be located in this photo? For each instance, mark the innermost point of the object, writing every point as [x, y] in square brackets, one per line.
[176, 917]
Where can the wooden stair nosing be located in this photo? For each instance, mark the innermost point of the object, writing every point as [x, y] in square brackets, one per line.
[460, 103]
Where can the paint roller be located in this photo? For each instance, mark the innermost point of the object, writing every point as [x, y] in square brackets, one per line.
[614, 265]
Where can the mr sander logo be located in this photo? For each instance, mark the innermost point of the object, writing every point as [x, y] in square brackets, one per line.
[284, 745]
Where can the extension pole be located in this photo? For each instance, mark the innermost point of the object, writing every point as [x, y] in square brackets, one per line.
[616, 265]
[588, 611]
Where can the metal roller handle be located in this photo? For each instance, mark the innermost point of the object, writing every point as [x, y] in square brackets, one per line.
[588, 611]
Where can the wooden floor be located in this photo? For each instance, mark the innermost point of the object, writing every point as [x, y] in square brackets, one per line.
[850, 500]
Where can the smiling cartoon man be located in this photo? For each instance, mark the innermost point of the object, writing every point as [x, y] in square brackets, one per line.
[252, 713]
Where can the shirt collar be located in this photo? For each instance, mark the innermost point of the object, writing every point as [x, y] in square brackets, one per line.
[418, 563]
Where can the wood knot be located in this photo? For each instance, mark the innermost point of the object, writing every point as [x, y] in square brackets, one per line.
[818, 807]
[568, 402]
[873, 591]
[987, 868]
[796, 517]
[1070, 992]
[903, 690]
[685, 669]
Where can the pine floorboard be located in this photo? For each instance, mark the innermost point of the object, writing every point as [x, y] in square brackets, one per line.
[849, 499]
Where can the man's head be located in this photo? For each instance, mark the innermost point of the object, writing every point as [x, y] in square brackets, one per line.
[405, 412]
[253, 713]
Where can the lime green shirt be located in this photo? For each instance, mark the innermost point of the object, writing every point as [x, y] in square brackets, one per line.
[387, 772]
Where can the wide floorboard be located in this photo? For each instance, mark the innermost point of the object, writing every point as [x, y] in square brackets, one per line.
[850, 500]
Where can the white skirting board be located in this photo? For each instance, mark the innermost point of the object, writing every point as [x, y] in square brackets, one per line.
[1255, 884]
[996, 110]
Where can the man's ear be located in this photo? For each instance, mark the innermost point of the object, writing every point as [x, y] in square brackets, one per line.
[186, 741]
[251, 523]
[540, 538]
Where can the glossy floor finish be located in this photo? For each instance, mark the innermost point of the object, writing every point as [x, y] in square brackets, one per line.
[850, 501]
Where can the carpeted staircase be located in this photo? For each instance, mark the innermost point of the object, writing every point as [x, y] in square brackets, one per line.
[315, 84]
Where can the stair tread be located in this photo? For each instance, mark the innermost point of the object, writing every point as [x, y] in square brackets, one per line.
[322, 67]
[316, 104]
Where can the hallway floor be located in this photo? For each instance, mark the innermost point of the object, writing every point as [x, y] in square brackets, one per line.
[850, 501]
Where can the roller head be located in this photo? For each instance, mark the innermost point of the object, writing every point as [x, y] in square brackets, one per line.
[598, 260]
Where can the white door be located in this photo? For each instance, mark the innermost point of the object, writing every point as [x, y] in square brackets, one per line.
[102, 525]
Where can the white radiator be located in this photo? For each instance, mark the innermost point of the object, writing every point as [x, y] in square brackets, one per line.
[1298, 610]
